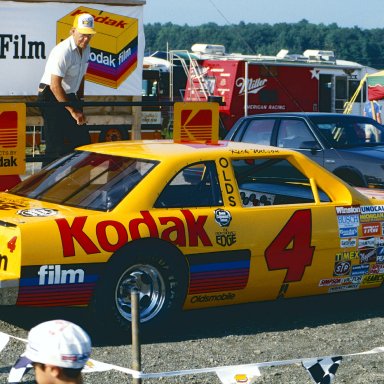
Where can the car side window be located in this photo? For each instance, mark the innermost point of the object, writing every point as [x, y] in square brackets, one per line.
[259, 131]
[196, 185]
[294, 134]
[273, 182]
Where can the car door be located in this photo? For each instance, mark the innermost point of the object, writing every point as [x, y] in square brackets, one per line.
[198, 221]
[292, 235]
[294, 133]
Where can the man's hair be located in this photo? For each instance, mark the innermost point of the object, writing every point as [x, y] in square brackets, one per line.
[72, 373]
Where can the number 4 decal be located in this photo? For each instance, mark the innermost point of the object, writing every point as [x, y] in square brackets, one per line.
[291, 249]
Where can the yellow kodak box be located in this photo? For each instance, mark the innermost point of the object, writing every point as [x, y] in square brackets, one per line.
[113, 49]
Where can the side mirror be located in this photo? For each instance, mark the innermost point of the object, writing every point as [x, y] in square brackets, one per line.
[313, 145]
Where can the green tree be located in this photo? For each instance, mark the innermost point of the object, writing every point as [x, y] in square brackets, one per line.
[362, 46]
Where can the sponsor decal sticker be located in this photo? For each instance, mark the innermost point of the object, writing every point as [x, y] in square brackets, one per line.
[345, 256]
[342, 268]
[340, 288]
[348, 232]
[367, 255]
[223, 217]
[376, 269]
[330, 282]
[367, 242]
[226, 238]
[210, 298]
[56, 284]
[348, 220]
[37, 212]
[359, 270]
[372, 279]
[371, 213]
[340, 281]
[379, 241]
[351, 209]
[370, 229]
[348, 243]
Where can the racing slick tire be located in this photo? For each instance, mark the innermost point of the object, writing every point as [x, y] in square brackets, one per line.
[159, 272]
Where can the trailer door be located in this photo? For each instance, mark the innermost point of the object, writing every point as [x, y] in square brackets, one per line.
[325, 93]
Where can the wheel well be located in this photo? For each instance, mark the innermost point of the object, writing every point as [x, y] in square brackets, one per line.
[352, 176]
[156, 247]
[152, 245]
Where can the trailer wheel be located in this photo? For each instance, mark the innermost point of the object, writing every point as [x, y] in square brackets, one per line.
[113, 134]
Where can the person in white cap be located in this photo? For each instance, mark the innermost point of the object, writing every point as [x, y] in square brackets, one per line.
[63, 81]
[58, 351]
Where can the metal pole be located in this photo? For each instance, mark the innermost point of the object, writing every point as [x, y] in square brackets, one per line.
[136, 348]
[246, 74]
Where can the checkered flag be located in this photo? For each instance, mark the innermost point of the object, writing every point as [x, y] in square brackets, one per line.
[322, 371]
[19, 369]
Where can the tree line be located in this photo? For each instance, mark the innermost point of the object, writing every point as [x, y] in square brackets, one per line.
[364, 46]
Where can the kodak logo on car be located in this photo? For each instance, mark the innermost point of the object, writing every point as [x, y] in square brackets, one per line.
[113, 49]
[187, 232]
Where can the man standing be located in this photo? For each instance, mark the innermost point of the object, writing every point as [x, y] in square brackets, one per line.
[63, 81]
[372, 109]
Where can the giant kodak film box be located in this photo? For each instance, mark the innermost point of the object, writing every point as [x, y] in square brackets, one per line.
[113, 48]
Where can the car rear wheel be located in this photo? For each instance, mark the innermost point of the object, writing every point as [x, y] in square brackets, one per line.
[160, 279]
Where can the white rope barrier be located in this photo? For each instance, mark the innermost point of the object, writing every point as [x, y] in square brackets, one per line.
[245, 373]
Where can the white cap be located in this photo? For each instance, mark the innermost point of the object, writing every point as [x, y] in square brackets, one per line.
[84, 23]
[59, 343]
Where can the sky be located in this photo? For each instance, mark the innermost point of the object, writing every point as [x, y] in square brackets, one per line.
[365, 14]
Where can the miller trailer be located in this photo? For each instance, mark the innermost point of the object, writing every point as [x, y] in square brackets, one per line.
[315, 81]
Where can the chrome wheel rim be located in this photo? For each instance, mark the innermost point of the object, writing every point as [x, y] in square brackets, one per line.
[151, 288]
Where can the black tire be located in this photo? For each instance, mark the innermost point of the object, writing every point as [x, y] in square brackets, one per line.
[159, 272]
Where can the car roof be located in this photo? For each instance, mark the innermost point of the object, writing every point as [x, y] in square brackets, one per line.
[159, 149]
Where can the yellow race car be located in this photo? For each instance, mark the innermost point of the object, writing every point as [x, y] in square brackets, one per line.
[191, 225]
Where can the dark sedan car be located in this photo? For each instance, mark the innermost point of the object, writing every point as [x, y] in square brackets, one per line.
[350, 146]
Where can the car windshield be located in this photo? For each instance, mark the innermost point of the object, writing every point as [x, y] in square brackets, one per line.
[86, 180]
[343, 132]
